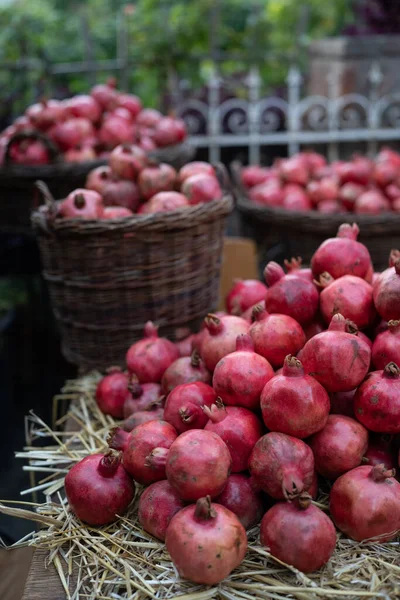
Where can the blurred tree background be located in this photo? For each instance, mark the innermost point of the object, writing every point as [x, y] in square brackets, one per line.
[158, 36]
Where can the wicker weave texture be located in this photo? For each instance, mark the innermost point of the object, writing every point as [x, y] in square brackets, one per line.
[107, 278]
[302, 232]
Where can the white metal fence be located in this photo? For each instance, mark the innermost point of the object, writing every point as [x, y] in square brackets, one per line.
[254, 121]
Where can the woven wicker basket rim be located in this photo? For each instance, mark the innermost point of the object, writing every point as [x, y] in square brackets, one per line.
[311, 220]
[183, 218]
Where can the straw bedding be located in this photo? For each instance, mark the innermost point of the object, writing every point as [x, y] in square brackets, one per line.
[122, 561]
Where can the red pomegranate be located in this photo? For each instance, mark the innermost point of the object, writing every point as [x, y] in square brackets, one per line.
[157, 505]
[98, 178]
[239, 377]
[115, 130]
[242, 499]
[164, 202]
[387, 291]
[194, 168]
[169, 131]
[201, 188]
[281, 465]
[386, 346]
[122, 193]
[244, 294]
[365, 504]
[337, 359]
[150, 357]
[219, 337]
[186, 369]
[131, 103]
[112, 392]
[105, 94]
[377, 400]
[348, 295]
[254, 175]
[339, 446]
[299, 534]
[305, 400]
[84, 106]
[82, 204]
[142, 396]
[371, 203]
[290, 294]
[154, 179]
[184, 407]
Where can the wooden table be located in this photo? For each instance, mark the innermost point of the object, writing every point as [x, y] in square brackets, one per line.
[43, 584]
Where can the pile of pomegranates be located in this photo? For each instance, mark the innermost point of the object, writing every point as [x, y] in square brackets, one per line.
[133, 183]
[89, 126]
[297, 383]
[306, 182]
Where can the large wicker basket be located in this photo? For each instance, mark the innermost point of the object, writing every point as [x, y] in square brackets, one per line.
[17, 182]
[281, 233]
[107, 278]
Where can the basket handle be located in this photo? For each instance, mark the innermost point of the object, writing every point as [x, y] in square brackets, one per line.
[223, 178]
[31, 135]
[48, 198]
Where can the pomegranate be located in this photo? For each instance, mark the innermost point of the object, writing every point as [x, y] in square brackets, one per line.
[169, 131]
[206, 542]
[357, 171]
[85, 107]
[201, 188]
[122, 113]
[293, 267]
[238, 427]
[342, 403]
[244, 294]
[98, 488]
[198, 463]
[219, 337]
[349, 193]
[131, 103]
[248, 314]
[294, 170]
[115, 130]
[349, 295]
[276, 336]
[82, 204]
[145, 449]
[386, 347]
[365, 504]
[157, 505]
[314, 160]
[185, 345]
[194, 168]
[184, 405]
[305, 400]
[329, 207]
[325, 190]
[337, 359]
[315, 327]
[151, 356]
[295, 199]
[142, 416]
[299, 534]
[266, 194]
[290, 294]
[387, 293]
[80, 154]
[105, 94]
[186, 369]
[388, 155]
[242, 499]
[30, 152]
[98, 178]
[69, 134]
[148, 117]
[339, 446]
[254, 175]
[116, 212]
[281, 465]
[392, 191]
[380, 451]
[371, 203]
[142, 396]
[122, 193]
[377, 400]
[239, 377]
[385, 173]
[164, 202]
[112, 393]
[342, 255]
[154, 179]
[396, 205]
[46, 113]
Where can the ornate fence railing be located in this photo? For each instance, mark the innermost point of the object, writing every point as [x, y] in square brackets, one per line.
[293, 120]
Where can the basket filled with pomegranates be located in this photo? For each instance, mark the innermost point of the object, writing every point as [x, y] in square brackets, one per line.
[141, 242]
[59, 142]
[301, 200]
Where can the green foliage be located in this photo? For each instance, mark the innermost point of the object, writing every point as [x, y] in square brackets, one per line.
[162, 35]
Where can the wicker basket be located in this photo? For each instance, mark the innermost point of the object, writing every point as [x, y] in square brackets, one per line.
[17, 189]
[107, 278]
[281, 233]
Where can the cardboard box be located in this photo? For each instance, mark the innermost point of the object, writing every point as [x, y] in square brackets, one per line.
[239, 261]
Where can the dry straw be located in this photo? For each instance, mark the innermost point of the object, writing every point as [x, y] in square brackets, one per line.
[122, 561]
